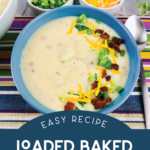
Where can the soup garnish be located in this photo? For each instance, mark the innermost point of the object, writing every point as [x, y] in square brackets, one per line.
[108, 46]
[48, 4]
[103, 3]
[84, 67]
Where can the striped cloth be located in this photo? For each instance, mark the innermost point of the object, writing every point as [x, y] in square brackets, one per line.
[14, 111]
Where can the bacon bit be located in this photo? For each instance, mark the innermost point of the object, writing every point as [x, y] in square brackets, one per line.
[94, 85]
[94, 101]
[115, 66]
[99, 31]
[43, 38]
[114, 46]
[91, 62]
[118, 41]
[105, 35]
[102, 103]
[103, 89]
[49, 46]
[108, 78]
[69, 106]
[31, 63]
[104, 73]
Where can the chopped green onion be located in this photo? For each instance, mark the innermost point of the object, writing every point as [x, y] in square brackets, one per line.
[101, 55]
[107, 58]
[82, 17]
[95, 76]
[107, 51]
[101, 95]
[122, 53]
[98, 21]
[81, 103]
[105, 94]
[119, 89]
[103, 62]
[117, 54]
[77, 108]
[108, 65]
[112, 37]
[93, 50]
[73, 94]
[111, 88]
[79, 21]
[97, 34]
[91, 77]
[89, 31]
[89, 88]
[81, 27]
[62, 98]
[113, 82]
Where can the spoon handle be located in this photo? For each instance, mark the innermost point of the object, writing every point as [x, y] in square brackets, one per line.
[145, 94]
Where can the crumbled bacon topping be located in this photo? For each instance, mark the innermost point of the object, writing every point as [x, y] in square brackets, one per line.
[114, 46]
[102, 103]
[104, 73]
[94, 100]
[118, 41]
[99, 31]
[108, 78]
[69, 106]
[105, 35]
[115, 66]
[104, 88]
[94, 85]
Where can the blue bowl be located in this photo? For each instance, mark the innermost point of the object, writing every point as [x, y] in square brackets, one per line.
[102, 16]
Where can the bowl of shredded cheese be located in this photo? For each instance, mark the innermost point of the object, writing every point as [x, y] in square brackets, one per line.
[110, 6]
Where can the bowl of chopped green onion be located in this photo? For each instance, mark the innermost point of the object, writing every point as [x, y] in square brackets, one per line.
[40, 6]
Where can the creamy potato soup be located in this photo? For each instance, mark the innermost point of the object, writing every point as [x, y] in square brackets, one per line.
[3, 5]
[75, 63]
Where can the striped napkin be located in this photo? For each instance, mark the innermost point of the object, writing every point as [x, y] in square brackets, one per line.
[14, 111]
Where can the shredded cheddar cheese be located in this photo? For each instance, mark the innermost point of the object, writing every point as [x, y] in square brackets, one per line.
[89, 73]
[73, 99]
[115, 71]
[82, 32]
[90, 93]
[112, 55]
[110, 91]
[103, 3]
[71, 92]
[95, 43]
[72, 26]
[80, 91]
[106, 84]
[106, 43]
[99, 84]
[88, 40]
[98, 68]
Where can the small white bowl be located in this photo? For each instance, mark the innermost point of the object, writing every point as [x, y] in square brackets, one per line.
[110, 10]
[7, 17]
[39, 11]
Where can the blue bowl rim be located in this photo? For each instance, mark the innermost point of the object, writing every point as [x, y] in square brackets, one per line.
[119, 103]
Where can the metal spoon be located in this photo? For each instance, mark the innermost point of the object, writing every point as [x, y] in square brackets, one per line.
[137, 29]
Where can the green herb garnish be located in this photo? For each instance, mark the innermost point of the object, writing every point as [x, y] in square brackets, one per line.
[98, 21]
[144, 8]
